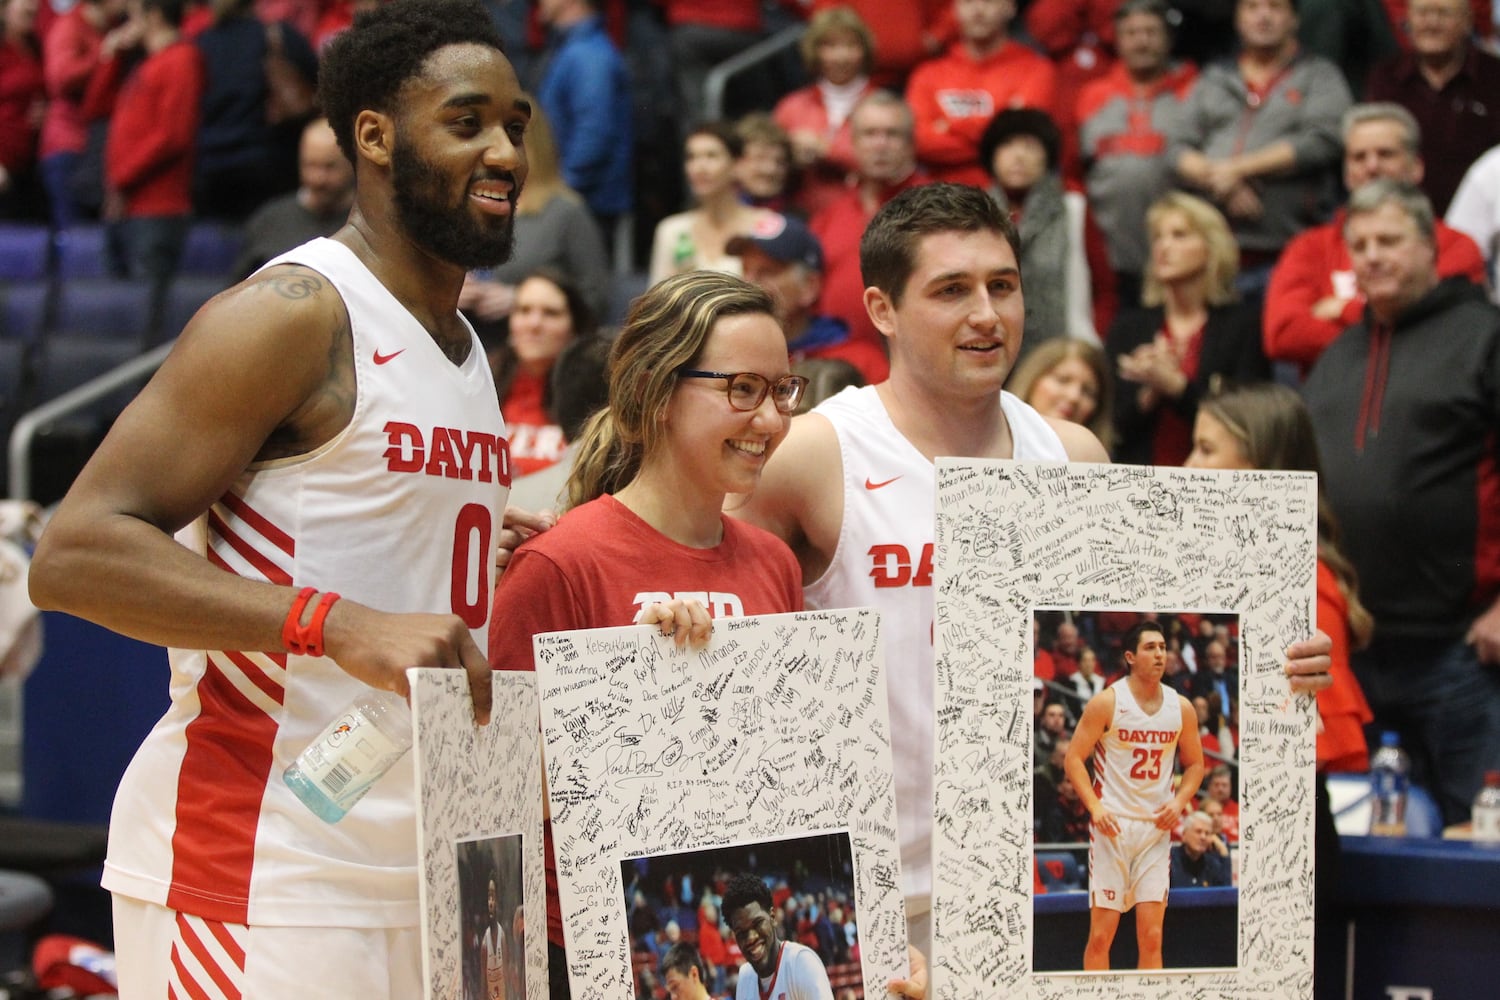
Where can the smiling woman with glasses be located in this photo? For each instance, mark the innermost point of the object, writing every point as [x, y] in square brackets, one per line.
[747, 390]
[700, 392]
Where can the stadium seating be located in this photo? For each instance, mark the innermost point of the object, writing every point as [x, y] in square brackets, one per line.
[23, 311]
[184, 297]
[1059, 870]
[106, 308]
[80, 253]
[211, 250]
[25, 252]
[68, 360]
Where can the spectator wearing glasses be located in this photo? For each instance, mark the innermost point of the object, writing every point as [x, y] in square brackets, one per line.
[701, 393]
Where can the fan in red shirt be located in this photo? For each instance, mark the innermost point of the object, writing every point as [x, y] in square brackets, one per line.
[148, 156]
[955, 95]
[1312, 297]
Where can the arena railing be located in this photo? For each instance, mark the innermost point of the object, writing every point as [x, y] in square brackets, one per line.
[35, 421]
[717, 80]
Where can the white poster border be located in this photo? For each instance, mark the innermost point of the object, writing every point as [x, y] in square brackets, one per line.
[1015, 537]
[473, 783]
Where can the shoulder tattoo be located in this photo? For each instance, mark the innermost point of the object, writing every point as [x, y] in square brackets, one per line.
[295, 283]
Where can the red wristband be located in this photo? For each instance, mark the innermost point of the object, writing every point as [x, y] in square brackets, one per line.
[291, 629]
[314, 637]
[306, 640]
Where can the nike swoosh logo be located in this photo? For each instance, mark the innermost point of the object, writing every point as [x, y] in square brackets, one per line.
[875, 486]
[381, 359]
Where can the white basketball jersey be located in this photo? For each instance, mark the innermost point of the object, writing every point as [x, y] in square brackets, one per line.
[884, 560]
[398, 512]
[1135, 758]
[494, 964]
[799, 975]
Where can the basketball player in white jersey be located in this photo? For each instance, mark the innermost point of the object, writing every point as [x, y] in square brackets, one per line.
[492, 945]
[774, 969]
[329, 426]
[856, 499]
[852, 487]
[1138, 730]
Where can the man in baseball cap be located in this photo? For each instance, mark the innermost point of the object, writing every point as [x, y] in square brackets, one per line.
[782, 256]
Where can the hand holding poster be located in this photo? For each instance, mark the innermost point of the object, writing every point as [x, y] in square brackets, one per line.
[766, 754]
[479, 839]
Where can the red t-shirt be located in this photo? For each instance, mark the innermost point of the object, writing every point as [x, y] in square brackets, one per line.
[153, 132]
[838, 228]
[535, 441]
[1316, 265]
[21, 92]
[601, 564]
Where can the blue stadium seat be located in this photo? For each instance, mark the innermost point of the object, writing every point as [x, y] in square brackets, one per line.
[25, 252]
[80, 252]
[15, 358]
[184, 296]
[64, 362]
[211, 250]
[68, 360]
[23, 310]
[106, 308]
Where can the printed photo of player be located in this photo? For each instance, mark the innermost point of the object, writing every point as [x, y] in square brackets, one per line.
[774, 969]
[1136, 731]
[1130, 711]
[492, 918]
[773, 920]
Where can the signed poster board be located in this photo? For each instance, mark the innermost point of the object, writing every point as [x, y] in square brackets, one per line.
[768, 752]
[1017, 542]
[479, 839]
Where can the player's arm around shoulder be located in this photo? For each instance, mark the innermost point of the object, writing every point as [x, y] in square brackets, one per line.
[1078, 441]
[262, 371]
[800, 496]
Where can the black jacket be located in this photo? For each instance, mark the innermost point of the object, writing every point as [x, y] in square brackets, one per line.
[1407, 419]
[1231, 349]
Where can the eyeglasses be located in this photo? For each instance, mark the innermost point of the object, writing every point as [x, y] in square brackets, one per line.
[1433, 13]
[747, 390]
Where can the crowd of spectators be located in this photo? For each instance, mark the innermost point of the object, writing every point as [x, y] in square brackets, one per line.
[1178, 178]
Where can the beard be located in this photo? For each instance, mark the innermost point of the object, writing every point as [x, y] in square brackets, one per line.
[451, 232]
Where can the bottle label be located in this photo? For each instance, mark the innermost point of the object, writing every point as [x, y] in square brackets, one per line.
[682, 253]
[1388, 784]
[350, 755]
[1487, 824]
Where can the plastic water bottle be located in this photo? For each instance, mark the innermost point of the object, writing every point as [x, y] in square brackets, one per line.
[338, 768]
[1486, 814]
[1390, 771]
